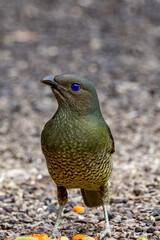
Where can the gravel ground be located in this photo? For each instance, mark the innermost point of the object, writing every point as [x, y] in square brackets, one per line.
[116, 45]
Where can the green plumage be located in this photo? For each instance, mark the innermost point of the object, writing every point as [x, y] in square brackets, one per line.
[77, 143]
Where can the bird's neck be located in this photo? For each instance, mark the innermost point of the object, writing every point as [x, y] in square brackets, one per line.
[69, 119]
[67, 112]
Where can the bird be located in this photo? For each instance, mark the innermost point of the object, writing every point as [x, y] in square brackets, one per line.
[78, 145]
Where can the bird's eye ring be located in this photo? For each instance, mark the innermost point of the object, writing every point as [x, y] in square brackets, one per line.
[75, 87]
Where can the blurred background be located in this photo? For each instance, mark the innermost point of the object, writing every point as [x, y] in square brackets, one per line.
[114, 44]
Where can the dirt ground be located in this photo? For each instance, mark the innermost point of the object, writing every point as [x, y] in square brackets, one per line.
[116, 45]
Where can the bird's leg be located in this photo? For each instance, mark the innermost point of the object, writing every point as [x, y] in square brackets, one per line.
[107, 229]
[62, 199]
[105, 201]
[55, 231]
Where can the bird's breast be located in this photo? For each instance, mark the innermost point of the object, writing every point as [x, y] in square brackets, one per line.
[76, 154]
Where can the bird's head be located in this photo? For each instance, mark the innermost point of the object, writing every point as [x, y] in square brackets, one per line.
[74, 93]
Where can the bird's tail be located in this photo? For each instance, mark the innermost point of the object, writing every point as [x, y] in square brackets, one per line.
[91, 198]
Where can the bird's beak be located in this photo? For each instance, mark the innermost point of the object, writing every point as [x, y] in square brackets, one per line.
[49, 80]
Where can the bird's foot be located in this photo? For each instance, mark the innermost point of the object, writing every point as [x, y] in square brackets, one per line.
[104, 234]
[55, 234]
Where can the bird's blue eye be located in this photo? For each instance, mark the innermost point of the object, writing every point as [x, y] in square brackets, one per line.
[75, 86]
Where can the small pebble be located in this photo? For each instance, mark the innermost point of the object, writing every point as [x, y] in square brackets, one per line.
[2, 198]
[116, 201]
[157, 233]
[151, 229]
[157, 219]
[51, 208]
[148, 223]
[138, 229]
[111, 216]
[156, 212]
[124, 218]
[47, 200]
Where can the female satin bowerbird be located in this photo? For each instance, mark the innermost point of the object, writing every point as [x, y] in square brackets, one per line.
[78, 144]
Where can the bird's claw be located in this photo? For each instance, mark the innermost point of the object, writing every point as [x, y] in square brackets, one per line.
[56, 234]
[104, 234]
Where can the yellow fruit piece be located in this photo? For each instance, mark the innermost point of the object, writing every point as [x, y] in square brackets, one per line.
[44, 238]
[78, 237]
[143, 238]
[36, 235]
[112, 197]
[64, 238]
[78, 209]
[26, 238]
[88, 238]
[39, 236]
